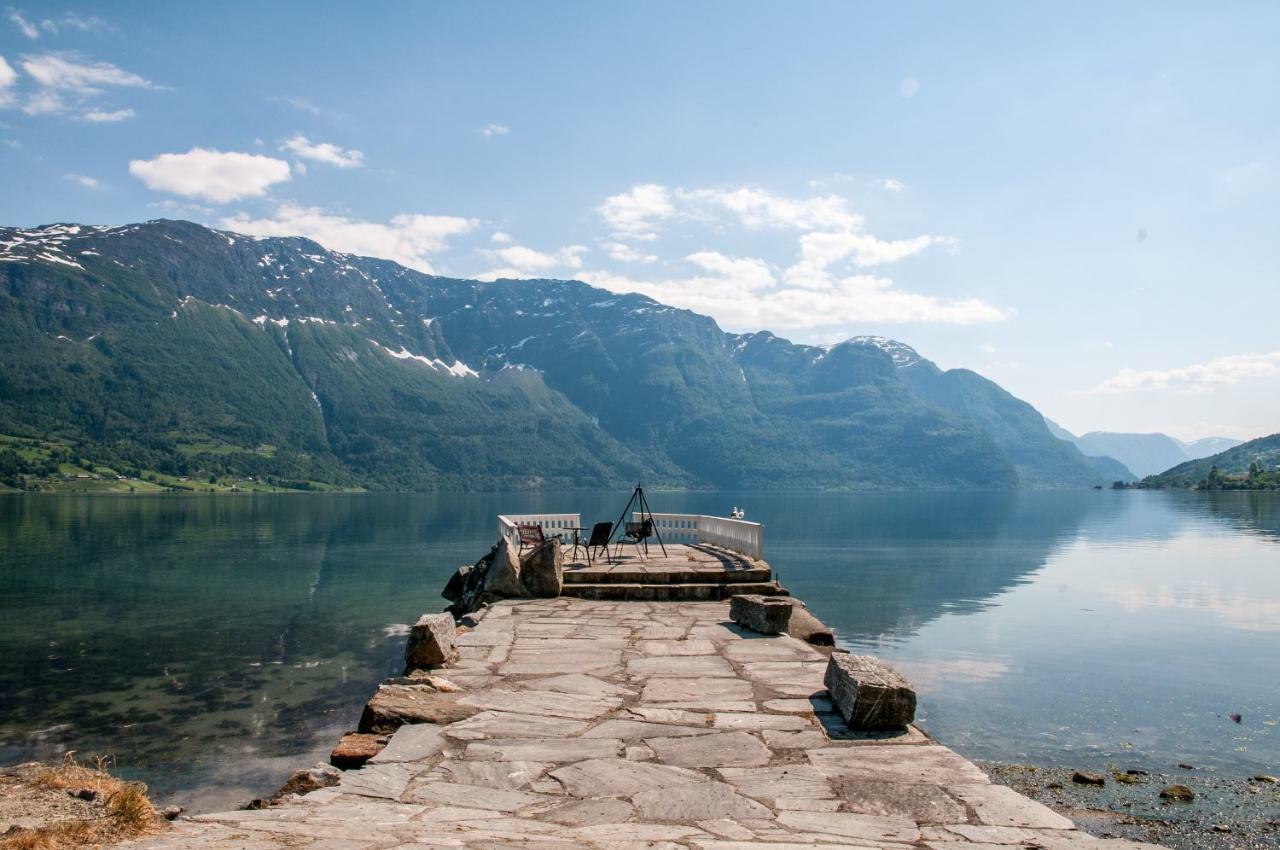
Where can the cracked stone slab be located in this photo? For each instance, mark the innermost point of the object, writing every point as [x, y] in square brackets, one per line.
[915, 763]
[703, 800]
[865, 827]
[558, 751]
[999, 805]
[411, 743]
[718, 749]
[492, 774]
[630, 730]
[621, 778]
[497, 799]
[501, 724]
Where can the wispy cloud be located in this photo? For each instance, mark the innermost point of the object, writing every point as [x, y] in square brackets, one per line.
[211, 175]
[25, 26]
[325, 152]
[519, 261]
[87, 182]
[409, 239]
[68, 84]
[105, 116]
[490, 130]
[8, 77]
[1196, 378]
[635, 214]
[891, 185]
[908, 86]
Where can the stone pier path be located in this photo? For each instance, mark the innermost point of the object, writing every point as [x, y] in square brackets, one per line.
[644, 725]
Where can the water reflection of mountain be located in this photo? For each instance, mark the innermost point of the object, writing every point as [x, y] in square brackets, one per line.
[878, 567]
[1251, 512]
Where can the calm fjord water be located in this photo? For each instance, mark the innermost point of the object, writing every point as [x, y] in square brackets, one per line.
[223, 641]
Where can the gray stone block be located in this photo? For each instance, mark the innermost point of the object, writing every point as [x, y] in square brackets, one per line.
[542, 570]
[764, 614]
[431, 642]
[868, 693]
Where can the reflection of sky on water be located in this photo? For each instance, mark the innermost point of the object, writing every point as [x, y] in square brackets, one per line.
[225, 641]
[1133, 641]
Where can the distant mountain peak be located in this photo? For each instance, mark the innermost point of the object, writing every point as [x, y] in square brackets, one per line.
[902, 354]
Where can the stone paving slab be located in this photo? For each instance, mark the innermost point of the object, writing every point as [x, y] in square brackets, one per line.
[654, 725]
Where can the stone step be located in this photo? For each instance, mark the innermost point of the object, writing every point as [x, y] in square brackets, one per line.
[685, 592]
[628, 574]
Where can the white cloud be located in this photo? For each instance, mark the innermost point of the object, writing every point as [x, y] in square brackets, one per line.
[823, 287]
[889, 184]
[8, 77]
[501, 238]
[745, 294]
[211, 174]
[624, 253]
[71, 20]
[64, 83]
[325, 152]
[491, 130]
[756, 208]
[24, 26]
[518, 261]
[408, 239]
[1197, 378]
[69, 72]
[87, 182]
[635, 213]
[909, 86]
[101, 116]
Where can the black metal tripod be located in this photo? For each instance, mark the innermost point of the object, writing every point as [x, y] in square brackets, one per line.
[637, 496]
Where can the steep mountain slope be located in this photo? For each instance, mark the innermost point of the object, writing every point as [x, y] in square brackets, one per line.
[1264, 451]
[170, 346]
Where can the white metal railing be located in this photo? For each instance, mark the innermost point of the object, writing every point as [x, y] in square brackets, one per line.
[553, 522]
[736, 535]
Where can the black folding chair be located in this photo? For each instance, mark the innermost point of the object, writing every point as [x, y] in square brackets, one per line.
[637, 534]
[600, 534]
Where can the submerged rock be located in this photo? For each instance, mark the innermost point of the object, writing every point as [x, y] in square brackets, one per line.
[1082, 777]
[1180, 793]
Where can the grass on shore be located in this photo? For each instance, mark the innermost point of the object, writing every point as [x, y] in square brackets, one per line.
[126, 811]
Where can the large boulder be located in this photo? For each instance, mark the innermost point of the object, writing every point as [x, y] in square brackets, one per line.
[868, 693]
[768, 615]
[542, 570]
[457, 583]
[503, 575]
[395, 705]
[431, 642]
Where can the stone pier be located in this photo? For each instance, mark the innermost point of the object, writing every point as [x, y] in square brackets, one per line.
[655, 725]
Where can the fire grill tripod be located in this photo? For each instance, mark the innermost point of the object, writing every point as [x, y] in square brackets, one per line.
[637, 497]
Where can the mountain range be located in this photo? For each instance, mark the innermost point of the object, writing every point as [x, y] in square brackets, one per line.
[170, 346]
[1144, 454]
[1263, 454]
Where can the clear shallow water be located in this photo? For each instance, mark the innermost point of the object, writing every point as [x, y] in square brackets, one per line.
[223, 641]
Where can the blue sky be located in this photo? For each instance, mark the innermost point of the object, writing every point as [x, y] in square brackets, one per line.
[1077, 201]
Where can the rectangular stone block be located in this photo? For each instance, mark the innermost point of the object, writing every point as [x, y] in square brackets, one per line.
[767, 615]
[431, 642]
[868, 693]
